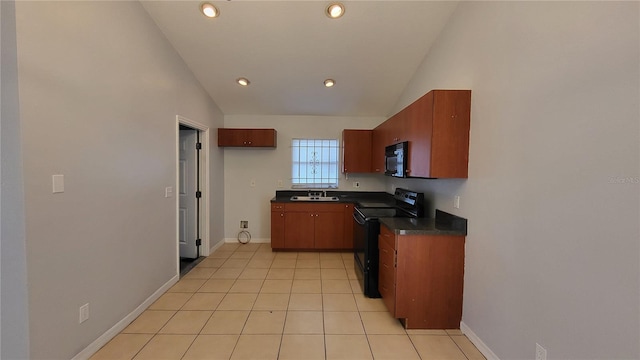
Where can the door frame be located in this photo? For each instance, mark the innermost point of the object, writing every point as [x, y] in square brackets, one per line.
[204, 185]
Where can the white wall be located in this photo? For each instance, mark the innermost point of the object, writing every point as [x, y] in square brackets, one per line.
[100, 88]
[552, 196]
[14, 321]
[267, 166]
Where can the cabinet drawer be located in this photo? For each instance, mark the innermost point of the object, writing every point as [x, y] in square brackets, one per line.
[386, 286]
[387, 255]
[387, 237]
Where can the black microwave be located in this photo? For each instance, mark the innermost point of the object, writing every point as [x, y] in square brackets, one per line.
[395, 159]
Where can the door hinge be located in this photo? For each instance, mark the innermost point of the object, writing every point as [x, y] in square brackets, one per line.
[198, 194]
[198, 242]
[198, 146]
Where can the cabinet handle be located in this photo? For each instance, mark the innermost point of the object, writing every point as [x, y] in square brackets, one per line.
[281, 214]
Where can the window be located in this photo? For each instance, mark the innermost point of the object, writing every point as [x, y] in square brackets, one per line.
[314, 163]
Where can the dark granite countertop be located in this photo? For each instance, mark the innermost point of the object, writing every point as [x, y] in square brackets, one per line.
[443, 224]
[284, 196]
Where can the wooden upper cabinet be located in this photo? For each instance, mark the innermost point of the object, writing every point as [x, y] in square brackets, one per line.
[377, 150]
[247, 137]
[439, 135]
[356, 151]
[437, 129]
[398, 129]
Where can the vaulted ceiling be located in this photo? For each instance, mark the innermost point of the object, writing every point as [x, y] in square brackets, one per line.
[288, 48]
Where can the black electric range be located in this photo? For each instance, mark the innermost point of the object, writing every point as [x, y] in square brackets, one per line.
[406, 203]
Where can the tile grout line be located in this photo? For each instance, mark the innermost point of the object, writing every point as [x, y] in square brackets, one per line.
[290, 293]
[210, 316]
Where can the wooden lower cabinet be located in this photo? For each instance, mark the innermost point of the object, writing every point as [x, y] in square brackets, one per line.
[277, 225]
[310, 226]
[421, 278]
[299, 230]
[347, 239]
[328, 229]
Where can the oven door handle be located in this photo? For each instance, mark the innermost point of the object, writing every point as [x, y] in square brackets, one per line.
[358, 219]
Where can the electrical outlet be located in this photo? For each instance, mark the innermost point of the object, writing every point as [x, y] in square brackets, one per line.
[244, 224]
[541, 353]
[280, 184]
[456, 202]
[84, 313]
[356, 184]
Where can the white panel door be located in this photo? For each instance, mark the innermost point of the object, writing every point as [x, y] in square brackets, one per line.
[187, 192]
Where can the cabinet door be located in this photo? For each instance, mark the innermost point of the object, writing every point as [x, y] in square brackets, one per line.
[329, 230]
[356, 151]
[347, 239]
[450, 138]
[231, 137]
[277, 226]
[377, 150]
[419, 123]
[398, 127]
[429, 283]
[262, 138]
[298, 230]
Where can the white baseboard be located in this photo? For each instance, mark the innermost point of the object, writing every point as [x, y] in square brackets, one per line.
[87, 352]
[253, 240]
[482, 347]
[215, 247]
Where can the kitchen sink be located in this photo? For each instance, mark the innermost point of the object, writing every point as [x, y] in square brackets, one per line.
[314, 198]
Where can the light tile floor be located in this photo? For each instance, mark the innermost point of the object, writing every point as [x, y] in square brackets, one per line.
[246, 302]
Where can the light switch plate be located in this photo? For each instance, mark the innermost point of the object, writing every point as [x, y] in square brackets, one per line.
[58, 183]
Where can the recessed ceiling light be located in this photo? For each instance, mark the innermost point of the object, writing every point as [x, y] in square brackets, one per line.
[335, 10]
[243, 81]
[209, 10]
[329, 82]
